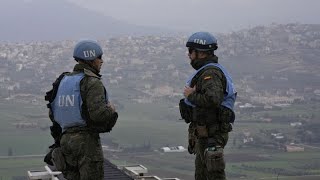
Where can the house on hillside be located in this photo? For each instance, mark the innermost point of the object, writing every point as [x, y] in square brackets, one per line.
[295, 124]
[247, 140]
[173, 149]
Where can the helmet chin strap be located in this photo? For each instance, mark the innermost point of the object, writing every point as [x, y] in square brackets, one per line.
[89, 63]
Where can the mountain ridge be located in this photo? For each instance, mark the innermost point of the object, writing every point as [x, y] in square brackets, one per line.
[40, 20]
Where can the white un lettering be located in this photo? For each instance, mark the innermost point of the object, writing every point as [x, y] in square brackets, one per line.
[200, 41]
[66, 100]
[89, 53]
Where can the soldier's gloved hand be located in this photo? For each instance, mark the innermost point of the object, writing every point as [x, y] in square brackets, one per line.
[47, 159]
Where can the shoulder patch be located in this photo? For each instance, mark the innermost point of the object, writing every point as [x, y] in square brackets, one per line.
[207, 77]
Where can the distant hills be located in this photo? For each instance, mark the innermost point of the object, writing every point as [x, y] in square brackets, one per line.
[38, 20]
[262, 58]
[281, 48]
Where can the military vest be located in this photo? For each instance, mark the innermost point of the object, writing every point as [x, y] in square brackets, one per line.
[230, 95]
[66, 106]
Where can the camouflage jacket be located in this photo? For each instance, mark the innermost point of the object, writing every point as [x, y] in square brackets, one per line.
[210, 88]
[99, 117]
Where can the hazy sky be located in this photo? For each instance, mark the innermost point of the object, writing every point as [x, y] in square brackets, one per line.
[212, 15]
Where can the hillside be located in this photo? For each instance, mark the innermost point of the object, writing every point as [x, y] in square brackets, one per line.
[276, 73]
[261, 60]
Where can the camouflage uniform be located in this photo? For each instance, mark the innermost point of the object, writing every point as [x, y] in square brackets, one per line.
[81, 146]
[208, 114]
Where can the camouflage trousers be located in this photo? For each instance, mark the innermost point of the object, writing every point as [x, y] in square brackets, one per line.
[83, 155]
[202, 163]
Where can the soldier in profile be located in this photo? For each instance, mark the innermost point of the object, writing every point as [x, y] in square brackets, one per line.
[209, 98]
[79, 110]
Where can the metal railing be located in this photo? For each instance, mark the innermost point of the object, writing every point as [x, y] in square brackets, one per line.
[48, 174]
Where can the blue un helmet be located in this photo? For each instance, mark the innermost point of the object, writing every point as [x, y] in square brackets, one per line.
[202, 41]
[87, 50]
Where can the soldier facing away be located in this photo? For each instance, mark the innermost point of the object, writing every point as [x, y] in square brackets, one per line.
[79, 110]
[208, 107]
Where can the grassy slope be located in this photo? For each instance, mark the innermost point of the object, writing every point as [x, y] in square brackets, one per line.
[139, 124]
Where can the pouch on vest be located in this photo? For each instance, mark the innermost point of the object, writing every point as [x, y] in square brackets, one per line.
[58, 159]
[185, 111]
[226, 115]
[214, 159]
[191, 138]
[226, 118]
[225, 127]
[202, 131]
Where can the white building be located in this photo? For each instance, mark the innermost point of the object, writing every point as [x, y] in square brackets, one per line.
[173, 149]
[296, 124]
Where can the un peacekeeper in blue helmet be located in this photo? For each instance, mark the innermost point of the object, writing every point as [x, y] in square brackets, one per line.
[80, 111]
[87, 50]
[209, 97]
[202, 41]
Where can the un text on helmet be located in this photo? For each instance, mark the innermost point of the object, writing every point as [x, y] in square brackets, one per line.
[200, 41]
[89, 53]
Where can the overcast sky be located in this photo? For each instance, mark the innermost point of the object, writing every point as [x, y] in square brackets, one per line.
[211, 15]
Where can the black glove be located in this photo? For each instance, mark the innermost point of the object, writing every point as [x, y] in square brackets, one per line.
[47, 159]
[191, 147]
